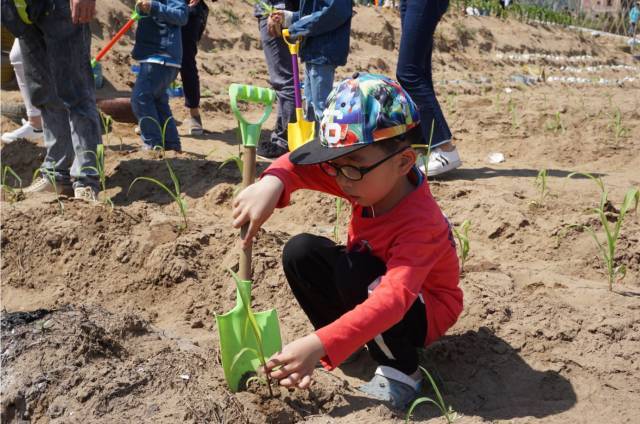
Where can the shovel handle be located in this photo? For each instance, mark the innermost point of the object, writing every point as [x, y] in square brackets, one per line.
[134, 18]
[248, 177]
[293, 49]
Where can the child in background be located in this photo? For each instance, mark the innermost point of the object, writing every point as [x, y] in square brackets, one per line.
[158, 48]
[325, 26]
[394, 286]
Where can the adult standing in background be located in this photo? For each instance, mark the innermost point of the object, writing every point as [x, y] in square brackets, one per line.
[418, 19]
[280, 70]
[55, 42]
[191, 35]
[634, 16]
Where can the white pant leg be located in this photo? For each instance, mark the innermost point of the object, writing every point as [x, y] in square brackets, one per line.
[15, 56]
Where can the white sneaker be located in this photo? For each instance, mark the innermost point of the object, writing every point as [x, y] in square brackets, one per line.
[440, 162]
[44, 185]
[26, 131]
[85, 193]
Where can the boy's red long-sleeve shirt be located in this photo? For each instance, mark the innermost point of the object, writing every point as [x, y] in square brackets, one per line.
[414, 241]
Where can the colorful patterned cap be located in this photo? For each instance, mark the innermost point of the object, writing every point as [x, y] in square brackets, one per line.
[360, 111]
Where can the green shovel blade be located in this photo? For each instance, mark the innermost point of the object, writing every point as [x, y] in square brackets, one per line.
[238, 344]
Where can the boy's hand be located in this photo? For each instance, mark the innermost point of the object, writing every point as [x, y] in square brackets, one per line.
[297, 361]
[255, 204]
[193, 3]
[144, 6]
[82, 11]
[274, 25]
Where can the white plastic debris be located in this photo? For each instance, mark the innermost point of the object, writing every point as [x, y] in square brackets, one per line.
[508, 90]
[495, 157]
[185, 376]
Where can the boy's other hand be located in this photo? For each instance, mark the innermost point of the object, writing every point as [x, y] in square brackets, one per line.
[255, 204]
[193, 3]
[296, 362]
[144, 6]
[82, 11]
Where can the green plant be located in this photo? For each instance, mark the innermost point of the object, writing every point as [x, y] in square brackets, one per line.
[425, 158]
[513, 111]
[175, 194]
[447, 412]
[251, 321]
[163, 130]
[51, 176]
[232, 18]
[237, 159]
[107, 122]
[608, 246]
[339, 202]
[462, 235]
[599, 183]
[99, 169]
[13, 194]
[541, 185]
[555, 124]
[619, 131]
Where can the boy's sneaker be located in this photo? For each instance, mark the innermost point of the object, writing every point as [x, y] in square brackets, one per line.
[195, 125]
[86, 193]
[44, 185]
[271, 150]
[441, 162]
[393, 386]
[26, 131]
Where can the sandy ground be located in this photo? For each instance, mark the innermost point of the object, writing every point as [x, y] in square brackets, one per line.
[117, 305]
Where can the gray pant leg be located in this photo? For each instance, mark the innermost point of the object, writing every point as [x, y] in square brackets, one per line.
[280, 70]
[67, 48]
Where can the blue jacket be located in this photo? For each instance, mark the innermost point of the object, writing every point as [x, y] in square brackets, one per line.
[634, 14]
[159, 33]
[326, 28]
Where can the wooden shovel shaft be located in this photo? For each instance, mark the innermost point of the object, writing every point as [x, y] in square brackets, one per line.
[248, 177]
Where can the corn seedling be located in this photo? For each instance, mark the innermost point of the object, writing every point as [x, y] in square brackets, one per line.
[13, 194]
[541, 185]
[107, 122]
[237, 159]
[253, 324]
[51, 176]
[599, 183]
[555, 124]
[498, 101]
[99, 169]
[447, 412]
[608, 246]
[425, 158]
[339, 202]
[619, 131]
[175, 194]
[513, 111]
[163, 130]
[451, 103]
[462, 235]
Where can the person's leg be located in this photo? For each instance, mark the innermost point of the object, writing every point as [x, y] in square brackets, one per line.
[55, 116]
[308, 262]
[189, 72]
[280, 71]
[143, 103]
[68, 49]
[171, 138]
[419, 20]
[33, 113]
[321, 83]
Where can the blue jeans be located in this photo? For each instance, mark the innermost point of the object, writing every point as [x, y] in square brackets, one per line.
[56, 55]
[318, 82]
[418, 19]
[150, 103]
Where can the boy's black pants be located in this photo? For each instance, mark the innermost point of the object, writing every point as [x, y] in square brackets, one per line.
[327, 282]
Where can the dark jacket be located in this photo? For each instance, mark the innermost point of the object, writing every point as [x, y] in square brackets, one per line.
[158, 33]
[326, 28]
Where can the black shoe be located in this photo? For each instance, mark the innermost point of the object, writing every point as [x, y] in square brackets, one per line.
[271, 150]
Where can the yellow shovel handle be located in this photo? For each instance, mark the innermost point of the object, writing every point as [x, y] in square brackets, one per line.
[293, 47]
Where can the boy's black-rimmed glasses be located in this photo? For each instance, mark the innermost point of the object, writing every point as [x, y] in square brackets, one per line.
[354, 173]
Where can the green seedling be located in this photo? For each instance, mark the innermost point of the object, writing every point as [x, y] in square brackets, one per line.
[541, 185]
[50, 175]
[619, 131]
[599, 183]
[265, 6]
[255, 328]
[447, 412]
[498, 101]
[425, 158]
[513, 111]
[555, 124]
[451, 102]
[608, 246]
[175, 194]
[107, 122]
[99, 169]
[462, 235]
[232, 18]
[237, 159]
[13, 194]
[163, 130]
[339, 202]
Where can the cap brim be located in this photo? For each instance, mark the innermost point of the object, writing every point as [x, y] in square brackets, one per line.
[313, 152]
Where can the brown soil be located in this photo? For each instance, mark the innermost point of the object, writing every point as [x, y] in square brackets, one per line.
[108, 314]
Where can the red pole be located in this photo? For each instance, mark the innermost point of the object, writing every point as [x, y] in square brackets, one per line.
[123, 30]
